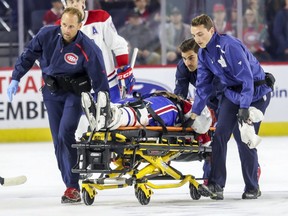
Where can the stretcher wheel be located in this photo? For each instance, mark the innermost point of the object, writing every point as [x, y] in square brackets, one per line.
[140, 195]
[136, 191]
[194, 193]
[86, 197]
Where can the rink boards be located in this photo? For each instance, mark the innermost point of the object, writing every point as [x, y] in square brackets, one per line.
[25, 119]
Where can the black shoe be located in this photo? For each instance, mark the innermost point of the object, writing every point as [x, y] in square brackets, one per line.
[204, 190]
[251, 194]
[213, 191]
[217, 192]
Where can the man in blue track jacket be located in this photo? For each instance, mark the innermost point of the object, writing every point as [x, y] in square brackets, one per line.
[70, 64]
[245, 85]
[186, 73]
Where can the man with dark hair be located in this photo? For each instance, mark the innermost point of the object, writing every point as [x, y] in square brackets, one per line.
[245, 85]
[69, 62]
[187, 67]
[186, 73]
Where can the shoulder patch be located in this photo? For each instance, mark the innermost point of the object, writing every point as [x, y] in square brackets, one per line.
[71, 58]
[97, 16]
[58, 22]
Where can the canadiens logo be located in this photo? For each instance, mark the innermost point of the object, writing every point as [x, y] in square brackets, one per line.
[71, 58]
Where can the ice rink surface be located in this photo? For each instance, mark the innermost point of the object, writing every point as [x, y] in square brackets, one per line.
[40, 195]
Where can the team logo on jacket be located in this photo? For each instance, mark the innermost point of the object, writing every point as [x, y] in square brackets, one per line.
[222, 62]
[71, 58]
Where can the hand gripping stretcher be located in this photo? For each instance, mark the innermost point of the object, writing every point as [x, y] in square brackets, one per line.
[133, 156]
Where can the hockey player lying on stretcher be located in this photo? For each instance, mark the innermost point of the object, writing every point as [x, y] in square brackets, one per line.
[156, 109]
[159, 108]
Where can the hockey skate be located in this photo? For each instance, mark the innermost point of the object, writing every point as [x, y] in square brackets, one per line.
[99, 115]
[89, 109]
[103, 111]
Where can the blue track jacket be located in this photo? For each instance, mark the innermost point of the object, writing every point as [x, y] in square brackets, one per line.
[228, 59]
[183, 78]
[82, 56]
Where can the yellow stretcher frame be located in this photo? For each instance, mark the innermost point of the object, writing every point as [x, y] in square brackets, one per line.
[158, 162]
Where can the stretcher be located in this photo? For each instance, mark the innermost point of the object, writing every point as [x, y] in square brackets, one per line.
[134, 156]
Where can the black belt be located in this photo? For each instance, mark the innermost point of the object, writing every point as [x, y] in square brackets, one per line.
[74, 84]
[269, 81]
[238, 88]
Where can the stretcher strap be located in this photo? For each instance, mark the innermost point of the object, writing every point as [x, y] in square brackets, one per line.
[159, 128]
[157, 118]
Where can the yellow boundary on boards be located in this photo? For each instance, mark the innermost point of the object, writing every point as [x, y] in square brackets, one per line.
[44, 135]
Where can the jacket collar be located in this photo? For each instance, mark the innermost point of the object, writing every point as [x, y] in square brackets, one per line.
[211, 46]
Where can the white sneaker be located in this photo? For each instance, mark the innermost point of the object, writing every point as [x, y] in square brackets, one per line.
[89, 109]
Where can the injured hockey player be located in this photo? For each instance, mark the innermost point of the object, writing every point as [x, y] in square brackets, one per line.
[157, 109]
[160, 108]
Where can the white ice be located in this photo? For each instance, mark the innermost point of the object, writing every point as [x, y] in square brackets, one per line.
[40, 195]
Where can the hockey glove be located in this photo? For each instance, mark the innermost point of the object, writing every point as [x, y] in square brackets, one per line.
[12, 89]
[243, 115]
[126, 74]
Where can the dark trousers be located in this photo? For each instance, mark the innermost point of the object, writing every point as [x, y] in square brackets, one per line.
[226, 124]
[64, 111]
